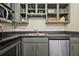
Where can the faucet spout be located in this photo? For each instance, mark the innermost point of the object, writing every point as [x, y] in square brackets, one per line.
[1, 28]
[36, 30]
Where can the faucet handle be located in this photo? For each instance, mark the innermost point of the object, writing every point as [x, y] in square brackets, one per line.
[1, 28]
[36, 30]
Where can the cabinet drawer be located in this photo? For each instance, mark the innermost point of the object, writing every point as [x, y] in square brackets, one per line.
[39, 39]
[74, 39]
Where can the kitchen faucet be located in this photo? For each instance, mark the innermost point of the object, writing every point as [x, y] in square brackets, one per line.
[36, 30]
[1, 28]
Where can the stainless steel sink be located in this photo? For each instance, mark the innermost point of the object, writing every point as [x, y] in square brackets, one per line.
[36, 34]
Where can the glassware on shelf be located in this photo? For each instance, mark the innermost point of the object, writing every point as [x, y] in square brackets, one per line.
[51, 10]
[31, 6]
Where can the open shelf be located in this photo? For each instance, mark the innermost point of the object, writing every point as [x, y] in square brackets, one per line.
[64, 12]
[5, 20]
[31, 6]
[22, 8]
[31, 11]
[22, 13]
[57, 22]
[55, 13]
[41, 6]
[36, 15]
[41, 11]
[21, 22]
[51, 13]
[63, 5]
[52, 6]
[23, 16]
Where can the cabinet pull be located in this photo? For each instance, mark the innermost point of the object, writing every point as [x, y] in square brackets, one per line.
[37, 47]
[72, 48]
[33, 49]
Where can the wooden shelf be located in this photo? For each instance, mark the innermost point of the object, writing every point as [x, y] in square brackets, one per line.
[31, 9]
[41, 8]
[63, 13]
[21, 22]
[52, 13]
[36, 14]
[57, 22]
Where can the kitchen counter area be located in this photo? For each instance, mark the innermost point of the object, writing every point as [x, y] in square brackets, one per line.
[60, 36]
[33, 29]
[9, 35]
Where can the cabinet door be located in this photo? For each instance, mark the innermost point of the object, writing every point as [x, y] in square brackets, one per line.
[10, 52]
[74, 46]
[29, 49]
[75, 49]
[42, 49]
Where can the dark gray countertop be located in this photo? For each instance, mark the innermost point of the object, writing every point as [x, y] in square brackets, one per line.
[50, 35]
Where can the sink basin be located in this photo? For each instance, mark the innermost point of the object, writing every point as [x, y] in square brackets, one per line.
[36, 34]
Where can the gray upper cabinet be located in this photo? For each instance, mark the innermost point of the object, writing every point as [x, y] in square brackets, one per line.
[54, 13]
[74, 46]
[58, 13]
[35, 46]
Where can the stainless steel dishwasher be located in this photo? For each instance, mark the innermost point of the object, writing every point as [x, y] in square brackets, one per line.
[58, 47]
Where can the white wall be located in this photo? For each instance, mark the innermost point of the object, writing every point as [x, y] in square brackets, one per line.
[40, 24]
[74, 18]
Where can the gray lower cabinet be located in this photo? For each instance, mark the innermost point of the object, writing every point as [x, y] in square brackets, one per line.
[35, 46]
[42, 49]
[28, 49]
[74, 46]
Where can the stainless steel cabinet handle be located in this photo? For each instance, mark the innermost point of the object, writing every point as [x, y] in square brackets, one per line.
[72, 48]
[37, 47]
[33, 49]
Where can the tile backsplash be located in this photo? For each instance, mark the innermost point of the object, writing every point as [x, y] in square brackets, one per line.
[39, 23]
